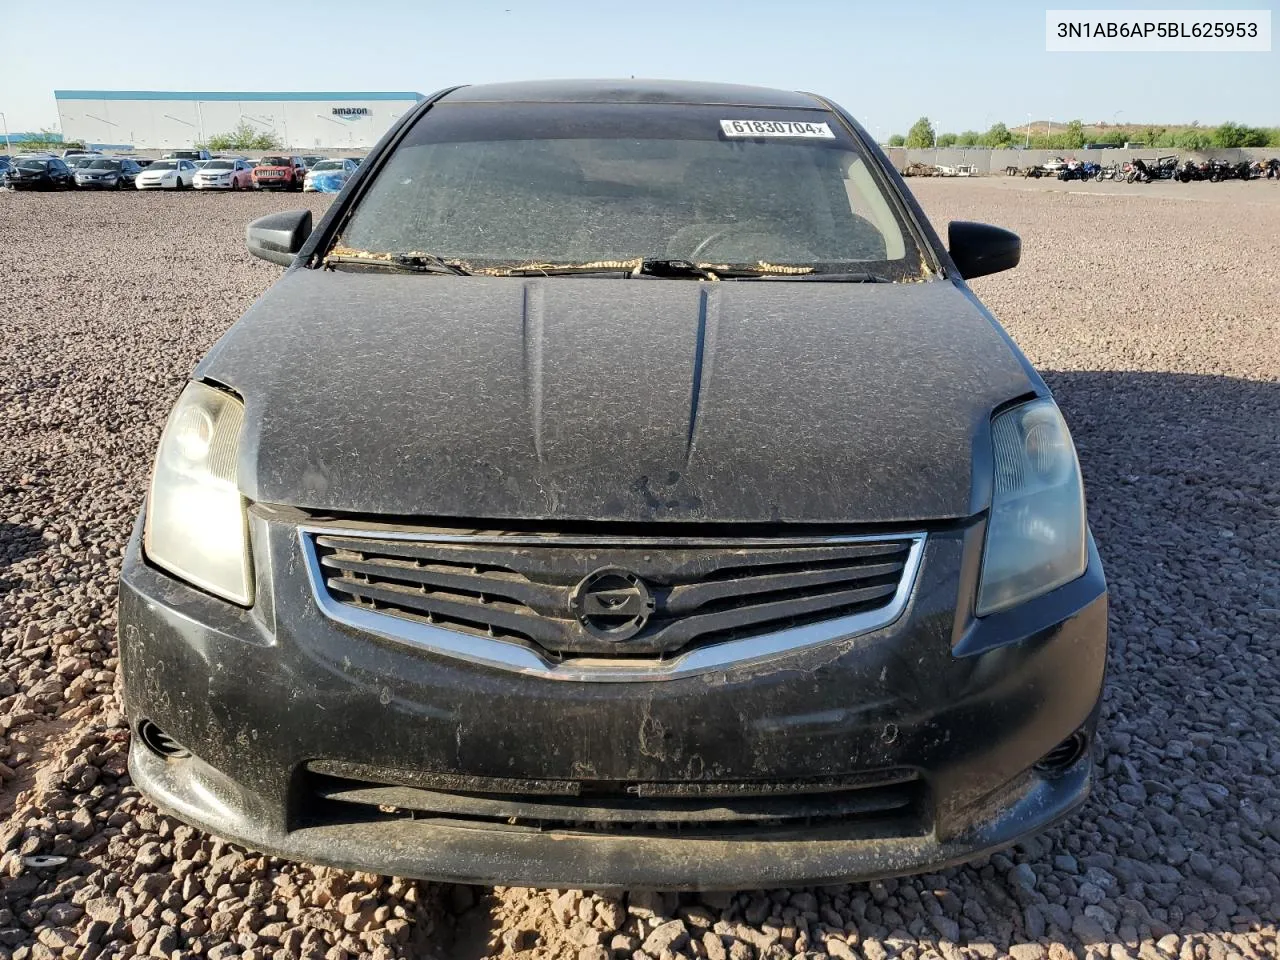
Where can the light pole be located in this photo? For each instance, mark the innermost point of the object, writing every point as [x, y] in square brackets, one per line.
[1028, 144]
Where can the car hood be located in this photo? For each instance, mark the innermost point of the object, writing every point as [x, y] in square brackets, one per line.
[627, 400]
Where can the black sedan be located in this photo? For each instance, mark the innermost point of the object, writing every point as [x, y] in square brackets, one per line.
[107, 173]
[39, 173]
[622, 487]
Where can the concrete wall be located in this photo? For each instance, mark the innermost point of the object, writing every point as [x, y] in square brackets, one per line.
[994, 161]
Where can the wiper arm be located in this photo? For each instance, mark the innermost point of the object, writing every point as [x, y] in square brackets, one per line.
[658, 267]
[403, 262]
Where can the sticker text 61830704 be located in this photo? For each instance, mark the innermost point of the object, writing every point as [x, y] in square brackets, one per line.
[776, 128]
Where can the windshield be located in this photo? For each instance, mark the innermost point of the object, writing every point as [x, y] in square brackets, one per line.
[31, 164]
[219, 165]
[105, 165]
[510, 184]
[164, 165]
[328, 165]
[275, 161]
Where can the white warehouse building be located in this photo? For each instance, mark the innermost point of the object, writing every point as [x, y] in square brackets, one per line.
[160, 119]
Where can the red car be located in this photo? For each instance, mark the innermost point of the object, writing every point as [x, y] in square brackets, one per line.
[279, 173]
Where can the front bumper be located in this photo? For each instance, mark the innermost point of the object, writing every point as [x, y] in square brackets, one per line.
[966, 707]
[156, 184]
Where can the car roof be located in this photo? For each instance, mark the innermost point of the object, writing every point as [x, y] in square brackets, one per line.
[631, 91]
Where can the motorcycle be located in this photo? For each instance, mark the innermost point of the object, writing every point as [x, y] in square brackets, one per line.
[1079, 171]
[1194, 170]
[1220, 170]
[1137, 171]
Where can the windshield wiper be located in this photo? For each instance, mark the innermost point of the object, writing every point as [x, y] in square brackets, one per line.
[829, 277]
[662, 267]
[403, 262]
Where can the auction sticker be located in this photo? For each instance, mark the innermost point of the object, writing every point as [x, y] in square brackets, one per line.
[776, 128]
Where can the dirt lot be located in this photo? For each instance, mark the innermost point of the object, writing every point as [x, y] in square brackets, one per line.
[1155, 316]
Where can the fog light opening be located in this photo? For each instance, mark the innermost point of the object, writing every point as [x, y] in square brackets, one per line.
[1064, 756]
[160, 743]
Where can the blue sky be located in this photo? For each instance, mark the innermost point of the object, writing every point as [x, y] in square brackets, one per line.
[964, 65]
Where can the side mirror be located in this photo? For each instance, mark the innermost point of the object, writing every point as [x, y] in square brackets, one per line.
[278, 236]
[979, 248]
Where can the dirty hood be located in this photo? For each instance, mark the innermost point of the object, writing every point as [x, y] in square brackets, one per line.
[626, 400]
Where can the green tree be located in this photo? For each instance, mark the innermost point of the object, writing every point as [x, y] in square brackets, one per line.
[970, 138]
[897, 140]
[1238, 135]
[1193, 140]
[921, 134]
[1256, 137]
[1074, 137]
[243, 137]
[997, 137]
[947, 139]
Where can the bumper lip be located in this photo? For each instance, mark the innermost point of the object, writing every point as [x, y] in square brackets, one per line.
[448, 853]
[519, 659]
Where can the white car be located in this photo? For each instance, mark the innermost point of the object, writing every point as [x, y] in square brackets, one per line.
[328, 176]
[167, 175]
[224, 174]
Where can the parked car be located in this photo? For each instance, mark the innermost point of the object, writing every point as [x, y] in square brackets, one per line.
[5, 167]
[39, 173]
[144, 162]
[310, 160]
[279, 172]
[676, 519]
[68, 155]
[167, 175]
[108, 173]
[329, 176]
[192, 155]
[79, 162]
[225, 174]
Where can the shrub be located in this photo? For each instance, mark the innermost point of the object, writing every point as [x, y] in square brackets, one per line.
[921, 134]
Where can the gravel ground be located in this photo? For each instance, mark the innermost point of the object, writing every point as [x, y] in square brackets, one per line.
[1155, 318]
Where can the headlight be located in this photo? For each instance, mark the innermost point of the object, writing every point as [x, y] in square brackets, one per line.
[1036, 531]
[197, 527]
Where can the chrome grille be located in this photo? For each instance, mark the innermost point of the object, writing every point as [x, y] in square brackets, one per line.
[528, 591]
